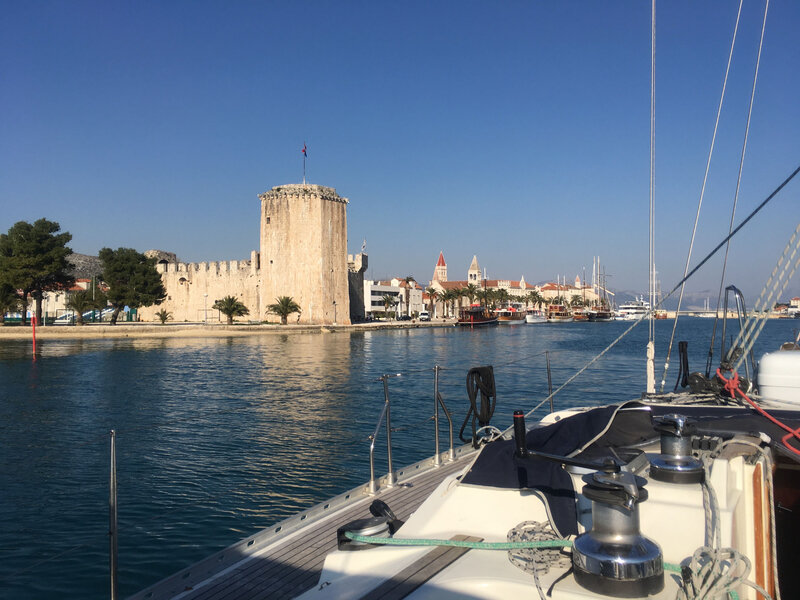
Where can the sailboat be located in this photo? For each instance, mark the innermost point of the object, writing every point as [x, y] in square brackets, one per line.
[686, 494]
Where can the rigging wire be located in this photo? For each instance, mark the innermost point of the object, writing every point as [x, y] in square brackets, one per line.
[736, 194]
[678, 285]
[702, 194]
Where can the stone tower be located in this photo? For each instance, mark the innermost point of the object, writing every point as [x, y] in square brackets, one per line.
[304, 252]
[440, 271]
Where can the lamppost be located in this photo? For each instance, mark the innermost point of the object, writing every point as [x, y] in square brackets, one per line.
[334, 312]
[205, 308]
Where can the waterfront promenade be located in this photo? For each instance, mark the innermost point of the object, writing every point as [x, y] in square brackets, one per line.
[169, 330]
[188, 330]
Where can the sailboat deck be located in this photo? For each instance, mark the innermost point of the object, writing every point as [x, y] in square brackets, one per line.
[292, 563]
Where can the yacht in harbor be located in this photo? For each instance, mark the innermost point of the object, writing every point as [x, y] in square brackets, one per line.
[635, 309]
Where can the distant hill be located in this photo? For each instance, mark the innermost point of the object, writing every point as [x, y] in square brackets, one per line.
[86, 266]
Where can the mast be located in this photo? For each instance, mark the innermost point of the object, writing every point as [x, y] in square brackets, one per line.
[651, 348]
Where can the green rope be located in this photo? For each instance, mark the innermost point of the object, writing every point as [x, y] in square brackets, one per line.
[457, 543]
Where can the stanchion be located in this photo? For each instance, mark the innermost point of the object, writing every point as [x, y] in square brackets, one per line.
[112, 517]
[33, 327]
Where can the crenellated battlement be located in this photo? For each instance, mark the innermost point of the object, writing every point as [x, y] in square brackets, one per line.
[297, 190]
[222, 266]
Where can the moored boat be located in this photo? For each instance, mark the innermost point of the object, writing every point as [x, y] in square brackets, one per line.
[510, 315]
[475, 316]
[600, 314]
[535, 316]
[635, 309]
[579, 314]
[558, 313]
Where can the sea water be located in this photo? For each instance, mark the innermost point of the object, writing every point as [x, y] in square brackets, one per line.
[220, 437]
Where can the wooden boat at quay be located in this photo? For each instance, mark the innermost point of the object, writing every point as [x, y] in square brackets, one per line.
[558, 313]
[579, 314]
[476, 316]
[510, 316]
[600, 314]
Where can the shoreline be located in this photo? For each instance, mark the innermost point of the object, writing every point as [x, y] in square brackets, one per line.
[187, 330]
[184, 330]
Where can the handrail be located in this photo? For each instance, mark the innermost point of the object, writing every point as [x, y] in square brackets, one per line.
[437, 400]
[373, 484]
[741, 314]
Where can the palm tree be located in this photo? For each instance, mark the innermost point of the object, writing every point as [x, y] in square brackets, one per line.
[503, 297]
[576, 301]
[536, 298]
[84, 301]
[471, 291]
[433, 294]
[409, 280]
[283, 307]
[485, 296]
[163, 315]
[450, 297]
[231, 307]
[388, 300]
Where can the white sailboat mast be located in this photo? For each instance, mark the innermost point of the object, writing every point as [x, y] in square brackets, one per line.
[651, 350]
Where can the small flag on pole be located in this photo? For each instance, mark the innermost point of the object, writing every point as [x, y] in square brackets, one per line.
[364, 245]
[305, 155]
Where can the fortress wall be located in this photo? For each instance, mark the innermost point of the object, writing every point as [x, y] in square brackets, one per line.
[192, 289]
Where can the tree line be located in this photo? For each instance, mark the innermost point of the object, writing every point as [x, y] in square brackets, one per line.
[494, 298]
[34, 260]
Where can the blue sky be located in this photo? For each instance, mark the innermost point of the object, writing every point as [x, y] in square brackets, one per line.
[517, 131]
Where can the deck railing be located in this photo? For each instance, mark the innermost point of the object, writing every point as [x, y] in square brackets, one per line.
[386, 412]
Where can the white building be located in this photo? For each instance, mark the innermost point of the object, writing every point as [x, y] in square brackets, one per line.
[407, 297]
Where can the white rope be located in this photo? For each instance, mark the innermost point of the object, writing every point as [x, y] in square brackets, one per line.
[536, 561]
[702, 194]
[716, 571]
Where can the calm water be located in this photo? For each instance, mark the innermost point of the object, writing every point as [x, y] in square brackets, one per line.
[218, 438]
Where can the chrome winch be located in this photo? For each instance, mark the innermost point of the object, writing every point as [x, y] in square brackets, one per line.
[676, 464]
[614, 558]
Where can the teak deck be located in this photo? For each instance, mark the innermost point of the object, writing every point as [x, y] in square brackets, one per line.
[292, 563]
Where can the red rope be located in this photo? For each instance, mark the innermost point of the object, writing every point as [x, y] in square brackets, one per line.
[732, 387]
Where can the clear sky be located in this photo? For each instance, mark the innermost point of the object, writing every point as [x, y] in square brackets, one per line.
[517, 131]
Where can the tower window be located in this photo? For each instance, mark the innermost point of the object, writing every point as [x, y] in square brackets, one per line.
[267, 220]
